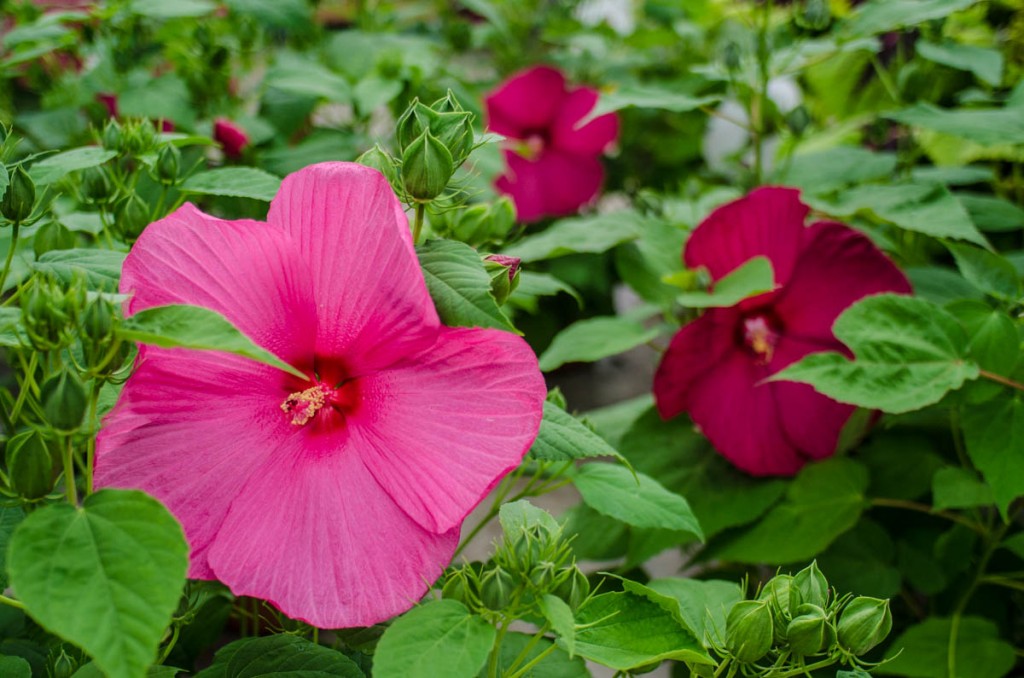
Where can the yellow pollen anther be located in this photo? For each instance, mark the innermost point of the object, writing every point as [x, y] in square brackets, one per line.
[762, 346]
[304, 404]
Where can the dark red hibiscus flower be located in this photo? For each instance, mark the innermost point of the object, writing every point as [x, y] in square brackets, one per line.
[554, 162]
[231, 137]
[715, 368]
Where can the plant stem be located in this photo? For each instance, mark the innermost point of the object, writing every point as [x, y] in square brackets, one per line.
[492, 662]
[533, 662]
[10, 254]
[924, 508]
[90, 453]
[418, 223]
[11, 602]
[30, 372]
[69, 472]
[999, 379]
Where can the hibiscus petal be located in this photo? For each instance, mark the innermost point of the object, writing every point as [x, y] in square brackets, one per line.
[836, 267]
[448, 424]
[190, 428]
[590, 139]
[371, 301]
[554, 184]
[526, 103]
[248, 271]
[693, 352]
[315, 535]
[766, 222]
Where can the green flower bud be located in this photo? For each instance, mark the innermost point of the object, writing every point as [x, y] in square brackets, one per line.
[30, 465]
[44, 315]
[112, 136]
[95, 185]
[776, 593]
[574, 589]
[496, 589]
[864, 623]
[816, 16]
[64, 400]
[64, 666]
[98, 320]
[139, 136]
[457, 587]
[413, 123]
[455, 131]
[168, 164]
[809, 586]
[52, 236]
[542, 575]
[748, 630]
[447, 104]
[504, 275]
[731, 56]
[132, 218]
[810, 632]
[470, 225]
[426, 167]
[380, 160]
[20, 197]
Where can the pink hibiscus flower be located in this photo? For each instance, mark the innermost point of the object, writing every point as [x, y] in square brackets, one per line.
[555, 168]
[337, 499]
[715, 367]
[231, 137]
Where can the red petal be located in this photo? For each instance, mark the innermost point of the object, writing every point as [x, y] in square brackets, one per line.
[555, 184]
[590, 139]
[525, 103]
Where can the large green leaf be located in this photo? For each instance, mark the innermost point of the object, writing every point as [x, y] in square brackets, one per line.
[752, 278]
[984, 62]
[832, 169]
[881, 16]
[300, 75]
[908, 354]
[954, 487]
[179, 9]
[863, 560]
[179, 325]
[56, 167]
[987, 271]
[646, 96]
[594, 338]
[106, 577]
[563, 437]
[991, 213]
[703, 604]
[611, 489]
[994, 433]
[238, 182]
[579, 234]
[101, 269]
[459, 285]
[922, 651]
[438, 638]
[626, 631]
[279, 655]
[10, 518]
[824, 501]
[985, 126]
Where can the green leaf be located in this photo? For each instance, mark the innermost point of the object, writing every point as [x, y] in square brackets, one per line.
[459, 285]
[922, 651]
[291, 15]
[823, 502]
[563, 437]
[752, 278]
[594, 338]
[299, 75]
[101, 269]
[985, 63]
[533, 284]
[645, 96]
[56, 167]
[882, 16]
[940, 285]
[863, 560]
[640, 501]
[516, 516]
[703, 604]
[834, 168]
[993, 339]
[625, 631]
[373, 92]
[591, 234]
[15, 667]
[902, 464]
[438, 638]
[954, 487]
[106, 577]
[985, 126]
[560, 616]
[179, 325]
[179, 9]
[987, 271]
[10, 518]
[993, 214]
[994, 433]
[908, 354]
[279, 654]
[238, 182]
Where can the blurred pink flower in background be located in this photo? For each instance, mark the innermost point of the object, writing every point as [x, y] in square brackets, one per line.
[338, 498]
[554, 168]
[715, 367]
[231, 137]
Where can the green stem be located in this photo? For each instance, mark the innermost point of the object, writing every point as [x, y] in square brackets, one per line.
[521, 657]
[999, 379]
[885, 79]
[69, 472]
[533, 662]
[492, 662]
[1002, 581]
[924, 508]
[417, 227]
[30, 372]
[90, 454]
[10, 254]
[757, 106]
[721, 667]
[824, 663]
[12, 602]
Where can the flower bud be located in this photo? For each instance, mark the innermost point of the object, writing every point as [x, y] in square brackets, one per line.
[44, 316]
[810, 631]
[748, 630]
[446, 120]
[52, 236]
[810, 587]
[426, 167]
[30, 465]
[798, 119]
[98, 320]
[132, 218]
[95, 185]
[379, 159]
[112, 136]
[731, 56]
[457, 587]
[815, 16]
[447, 104]
[504, 275]
[864, 623]
[64, 666]
[168, 164]
[496, 589]
[574, 589]
[776, 593]
[231, 137]
[412, 124]
[455, 131]
[20, 197]
[64, 400]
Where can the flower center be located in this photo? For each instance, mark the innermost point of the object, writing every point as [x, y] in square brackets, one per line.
[759, 333]
[304, 405]
[532, 144]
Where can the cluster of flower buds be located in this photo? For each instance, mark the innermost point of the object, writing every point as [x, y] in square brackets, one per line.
[49, 311]
[796, 618]
[476, 225]
[135, 137]
[19, 199]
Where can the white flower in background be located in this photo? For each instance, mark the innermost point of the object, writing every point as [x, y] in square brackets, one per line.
[617, 13]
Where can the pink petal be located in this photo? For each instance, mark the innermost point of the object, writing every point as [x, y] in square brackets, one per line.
[315, 535]
[554, 184]
[190, 428]
[448, 424]
[371, 301]
[836, 267]
[693, 352]
[526, 103]
[590, 139]
[248, 271]
[766, 222]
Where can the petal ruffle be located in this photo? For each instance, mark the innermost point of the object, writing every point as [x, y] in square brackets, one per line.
[836, 267]
[526, 103]
[315, 535]
[248, 271]
[448, 424]
[766, 222]
[590, 139]
[190, 428]
[371, 301]
[555, 184]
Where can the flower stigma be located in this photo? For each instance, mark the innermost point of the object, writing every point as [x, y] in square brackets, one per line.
[760, 335]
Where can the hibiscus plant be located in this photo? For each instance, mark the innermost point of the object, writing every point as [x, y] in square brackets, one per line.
[518, 338]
